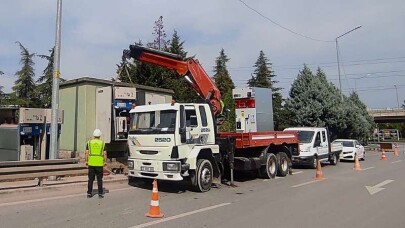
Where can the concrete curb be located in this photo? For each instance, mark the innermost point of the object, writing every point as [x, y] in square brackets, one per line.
[25, 189]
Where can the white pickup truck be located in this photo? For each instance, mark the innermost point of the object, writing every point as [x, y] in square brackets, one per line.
[315, 144]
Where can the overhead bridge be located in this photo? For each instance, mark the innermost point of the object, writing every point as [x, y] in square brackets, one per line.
[389, 115]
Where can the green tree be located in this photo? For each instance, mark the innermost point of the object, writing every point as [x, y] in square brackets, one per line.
[46, 80]
[24, 86]
[225, 85]
[1, 87]
[149, 74]
[264, 77]
[126, 71]
[160, 42]
[314, 102]
[364, 122]
[221, 77]
[182, 90]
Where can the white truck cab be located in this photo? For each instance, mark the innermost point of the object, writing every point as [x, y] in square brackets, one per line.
[170, 142]
[315, 144]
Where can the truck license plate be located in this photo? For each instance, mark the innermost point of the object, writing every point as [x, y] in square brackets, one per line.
[147, 169]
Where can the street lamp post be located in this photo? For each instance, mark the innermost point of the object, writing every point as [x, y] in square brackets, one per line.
[396, 90]
[53, 153]
[337, 56]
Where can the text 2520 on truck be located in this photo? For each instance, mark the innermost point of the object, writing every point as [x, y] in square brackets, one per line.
[181, 141]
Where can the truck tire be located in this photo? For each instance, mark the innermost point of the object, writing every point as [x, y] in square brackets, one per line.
[283, 166]
[269, 170]
[201, 178]
[334, 159]
[314, 162]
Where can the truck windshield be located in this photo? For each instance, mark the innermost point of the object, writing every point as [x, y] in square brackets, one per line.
[305, 136]
[156, 122]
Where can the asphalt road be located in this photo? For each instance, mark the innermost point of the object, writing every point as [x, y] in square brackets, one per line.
[340, 200]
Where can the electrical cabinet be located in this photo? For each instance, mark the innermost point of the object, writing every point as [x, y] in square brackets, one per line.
[253, 109]
[48, 116]
[112, 112]
[125, 93]
[31, 115]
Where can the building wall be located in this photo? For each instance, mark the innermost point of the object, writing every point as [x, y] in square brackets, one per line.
[78, 100]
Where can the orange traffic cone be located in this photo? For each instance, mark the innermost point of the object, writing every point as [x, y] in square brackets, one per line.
[396, 151]
[154, 210]
[319, 174]
[383, 157]
[356, 163]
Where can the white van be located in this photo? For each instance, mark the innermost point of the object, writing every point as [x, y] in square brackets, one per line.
[315, 144]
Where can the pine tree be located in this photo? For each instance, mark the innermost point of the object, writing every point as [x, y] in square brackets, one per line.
[1, 87]
[221, 77]
[24, 86]
[365, 122]
[160, 42]
[182, 90]
[224, 83]
[264, 77]
[46, 80]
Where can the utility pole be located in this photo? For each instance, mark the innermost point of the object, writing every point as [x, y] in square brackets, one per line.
[53, 153]
[337, 56]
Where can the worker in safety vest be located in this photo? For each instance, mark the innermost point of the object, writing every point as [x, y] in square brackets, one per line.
[96, 158]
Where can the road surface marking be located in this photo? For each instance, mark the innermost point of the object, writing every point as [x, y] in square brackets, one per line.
[368, 168]
[378, 187]
[277, 177]
[298, 172]
[55, 198]
[179, 216]
[396, 161]
[306, 183]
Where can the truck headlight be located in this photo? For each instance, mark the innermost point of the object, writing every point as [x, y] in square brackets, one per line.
[171, 166]
[130, 164]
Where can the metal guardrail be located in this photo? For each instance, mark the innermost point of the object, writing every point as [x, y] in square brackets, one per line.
[40, 169]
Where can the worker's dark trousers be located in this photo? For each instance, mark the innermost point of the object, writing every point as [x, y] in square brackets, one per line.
[95, 171]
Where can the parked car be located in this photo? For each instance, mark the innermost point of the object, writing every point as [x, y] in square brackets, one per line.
[351, 147]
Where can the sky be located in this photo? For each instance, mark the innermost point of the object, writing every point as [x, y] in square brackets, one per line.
[290, 33]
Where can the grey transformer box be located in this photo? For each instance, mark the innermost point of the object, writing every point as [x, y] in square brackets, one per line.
[253, 109]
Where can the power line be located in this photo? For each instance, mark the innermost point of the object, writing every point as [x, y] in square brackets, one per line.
[283, 27]
[327, 64]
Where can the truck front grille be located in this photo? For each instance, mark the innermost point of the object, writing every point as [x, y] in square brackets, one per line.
[149, 152]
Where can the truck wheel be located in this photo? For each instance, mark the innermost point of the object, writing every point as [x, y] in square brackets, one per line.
[314, 162]
[269, 170]
[201, 179]
[334, 159]
[283, 166]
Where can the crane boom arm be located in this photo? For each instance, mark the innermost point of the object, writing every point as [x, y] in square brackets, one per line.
[190, 68]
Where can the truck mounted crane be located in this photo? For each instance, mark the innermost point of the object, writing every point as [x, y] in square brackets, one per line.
[180, 141]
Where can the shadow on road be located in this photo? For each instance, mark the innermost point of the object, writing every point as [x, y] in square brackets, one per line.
[163, 186]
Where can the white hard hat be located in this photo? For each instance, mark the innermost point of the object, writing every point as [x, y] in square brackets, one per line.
[97, 133]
